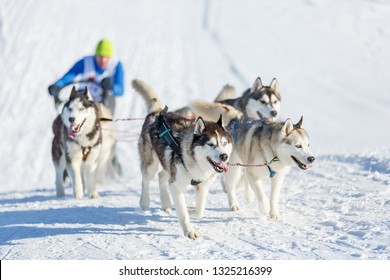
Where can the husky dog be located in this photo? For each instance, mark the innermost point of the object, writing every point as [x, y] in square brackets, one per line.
[269, 150]
[190, 153]
[259, 102]
[77, 144]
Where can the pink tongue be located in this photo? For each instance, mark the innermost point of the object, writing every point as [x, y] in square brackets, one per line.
[71, 134]
[224, 167]
[310, 165]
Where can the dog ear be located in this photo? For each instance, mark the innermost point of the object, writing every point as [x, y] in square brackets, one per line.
[257, 85]
[199, 126]
[88, 94]
[220, 122]
[288, 127]
[73, 93]
[300, 123]
[275, 87]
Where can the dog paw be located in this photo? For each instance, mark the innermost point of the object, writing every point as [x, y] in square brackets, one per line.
[196, 215]
[276, 217]
[264, 207]
[94, 195]
[235, 208]
[78, 195]
[167, 207]
[60, 194]
[144, 204]
[193, 235]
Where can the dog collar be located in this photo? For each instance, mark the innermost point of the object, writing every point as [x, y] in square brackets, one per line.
[195, 182]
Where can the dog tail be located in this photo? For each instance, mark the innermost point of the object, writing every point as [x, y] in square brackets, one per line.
[211, 111]
[227, 92]
[153, 103]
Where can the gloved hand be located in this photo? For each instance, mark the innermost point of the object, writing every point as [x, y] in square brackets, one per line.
[54, 91]
[107, 84]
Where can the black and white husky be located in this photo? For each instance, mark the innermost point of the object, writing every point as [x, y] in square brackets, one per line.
[78, 144]
[266, 150]
[258, 102]
[190, 153]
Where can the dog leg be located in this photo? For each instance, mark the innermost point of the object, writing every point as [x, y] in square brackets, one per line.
[262, 198]
[163, 178]
[224, 183]
[148, 171]
[90, 178]
[60, 168]
[201, 193]
[248, 189]
[182, 212]
[276, 186]
[74, 171]
[232, 179]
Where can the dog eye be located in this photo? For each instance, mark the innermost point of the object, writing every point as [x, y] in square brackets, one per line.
[224, 143]
[263, 102]
[299, 146]
[210, 144]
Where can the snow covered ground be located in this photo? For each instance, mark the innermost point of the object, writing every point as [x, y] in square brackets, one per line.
[331, 59]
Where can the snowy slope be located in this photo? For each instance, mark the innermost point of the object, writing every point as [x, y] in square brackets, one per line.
[331, 60]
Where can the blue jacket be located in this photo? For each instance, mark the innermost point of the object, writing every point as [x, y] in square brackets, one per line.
[78, 69]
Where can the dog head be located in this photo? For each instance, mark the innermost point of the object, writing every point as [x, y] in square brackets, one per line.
[79, 113]
[264, 101]
[212, 145]
[294, 145]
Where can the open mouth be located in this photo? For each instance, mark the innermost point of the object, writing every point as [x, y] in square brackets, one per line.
[218, 167]
[74, 129]
[301, 165]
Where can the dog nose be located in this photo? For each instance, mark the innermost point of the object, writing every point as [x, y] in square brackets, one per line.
[274, 113]
[311, 159]
[223, 157]
[71, 119]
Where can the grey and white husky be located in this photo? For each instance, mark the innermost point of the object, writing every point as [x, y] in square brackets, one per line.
[190, 153]
[268, 150]
[258, 102]
[78, 144]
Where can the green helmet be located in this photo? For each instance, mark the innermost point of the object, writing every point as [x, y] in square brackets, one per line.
[105, 48]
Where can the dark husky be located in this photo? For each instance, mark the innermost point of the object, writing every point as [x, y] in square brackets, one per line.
[190, 152]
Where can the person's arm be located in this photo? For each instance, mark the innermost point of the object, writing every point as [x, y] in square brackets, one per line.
[72, 73]
[118, 88]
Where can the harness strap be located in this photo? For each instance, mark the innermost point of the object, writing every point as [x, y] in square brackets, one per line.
[272, 173]
[85, 151]
[165, 132]
[106, 120]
